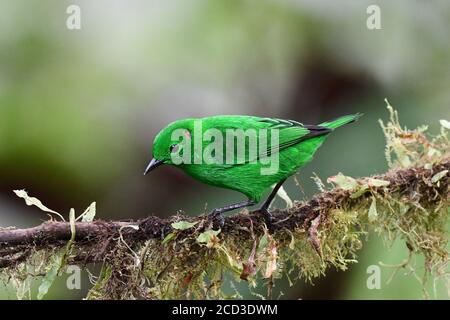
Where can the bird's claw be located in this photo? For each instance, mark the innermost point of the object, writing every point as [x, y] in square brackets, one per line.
[267, 218]
[217, 216]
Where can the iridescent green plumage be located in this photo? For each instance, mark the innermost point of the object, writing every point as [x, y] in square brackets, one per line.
[296, 146]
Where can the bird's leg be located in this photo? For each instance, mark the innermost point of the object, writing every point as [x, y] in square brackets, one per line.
[218, 212]
[266, 205]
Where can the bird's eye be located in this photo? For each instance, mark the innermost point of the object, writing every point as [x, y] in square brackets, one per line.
[173, 148]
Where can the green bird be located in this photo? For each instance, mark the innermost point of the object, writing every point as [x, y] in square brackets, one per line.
[243, 153]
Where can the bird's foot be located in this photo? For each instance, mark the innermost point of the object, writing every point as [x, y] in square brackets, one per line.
[267, 218]
[216, 216]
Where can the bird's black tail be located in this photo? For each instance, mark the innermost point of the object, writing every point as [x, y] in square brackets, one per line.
[341, 121]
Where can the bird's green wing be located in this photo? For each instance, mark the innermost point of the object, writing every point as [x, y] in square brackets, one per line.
[289, 132]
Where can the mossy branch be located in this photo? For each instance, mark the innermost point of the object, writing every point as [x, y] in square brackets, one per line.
[413, 185]
[189, 257]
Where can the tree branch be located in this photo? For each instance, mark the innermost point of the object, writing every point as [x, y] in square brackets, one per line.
[17, 244]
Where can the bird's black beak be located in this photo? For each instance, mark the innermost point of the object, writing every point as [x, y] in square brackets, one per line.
[153, 165]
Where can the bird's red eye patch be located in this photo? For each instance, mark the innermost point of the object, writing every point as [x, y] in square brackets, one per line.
[187, 134]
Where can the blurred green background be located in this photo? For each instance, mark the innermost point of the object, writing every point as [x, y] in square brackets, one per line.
[79, 108]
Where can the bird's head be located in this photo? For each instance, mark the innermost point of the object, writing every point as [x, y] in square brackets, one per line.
[169, 143]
